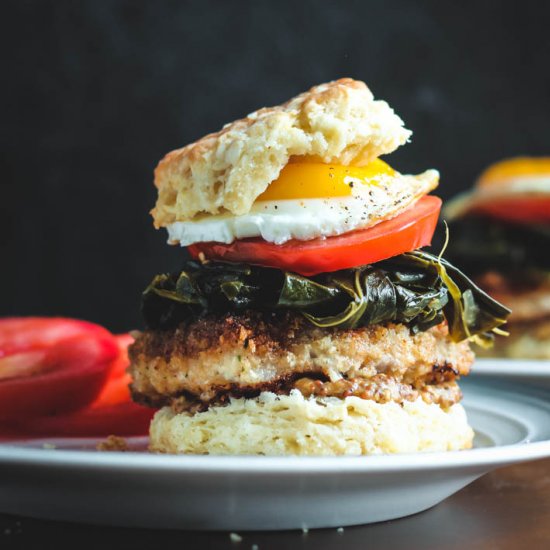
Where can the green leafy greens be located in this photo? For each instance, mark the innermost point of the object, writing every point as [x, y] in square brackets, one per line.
[416, 288]
[482, 244]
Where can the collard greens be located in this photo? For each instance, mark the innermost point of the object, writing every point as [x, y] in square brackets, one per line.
[416, 288]
[482, 244]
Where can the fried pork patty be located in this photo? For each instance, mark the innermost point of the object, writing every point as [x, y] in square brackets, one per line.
[208, 360]
[529, 301]
[527, 340]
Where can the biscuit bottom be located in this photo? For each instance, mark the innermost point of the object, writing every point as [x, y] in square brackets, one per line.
[294, 425]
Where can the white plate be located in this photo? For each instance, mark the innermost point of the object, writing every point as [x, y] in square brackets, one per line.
[256, 493]
[522, 371]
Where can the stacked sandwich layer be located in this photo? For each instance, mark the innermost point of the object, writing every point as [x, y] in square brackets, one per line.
[308, 322]
[501, 235]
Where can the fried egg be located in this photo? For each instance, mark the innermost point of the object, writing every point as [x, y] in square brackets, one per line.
[310, 200]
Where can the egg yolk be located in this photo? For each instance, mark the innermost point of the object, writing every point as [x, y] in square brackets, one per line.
[510, 168]
[313, 180]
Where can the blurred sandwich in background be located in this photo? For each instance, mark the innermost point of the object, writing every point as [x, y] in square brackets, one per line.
[501, 236]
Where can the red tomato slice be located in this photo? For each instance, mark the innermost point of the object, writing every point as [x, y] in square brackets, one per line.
[51, 365]
[518, 209]
[19, 334]
[117, 390]
[122, 419]
[410, 230]
[112, 411]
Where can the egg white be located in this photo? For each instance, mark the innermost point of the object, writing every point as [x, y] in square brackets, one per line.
[505, 188]
[278, 221]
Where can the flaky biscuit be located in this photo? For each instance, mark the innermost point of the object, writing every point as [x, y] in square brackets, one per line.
[337, 122]
[295, 425]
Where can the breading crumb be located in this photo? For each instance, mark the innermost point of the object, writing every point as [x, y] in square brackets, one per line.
[236, 538]
[113, 443]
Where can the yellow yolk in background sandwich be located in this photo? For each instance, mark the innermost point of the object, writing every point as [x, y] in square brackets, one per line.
[513, 168]
[313, 180]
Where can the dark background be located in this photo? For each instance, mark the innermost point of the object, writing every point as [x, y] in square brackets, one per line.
[93, 94]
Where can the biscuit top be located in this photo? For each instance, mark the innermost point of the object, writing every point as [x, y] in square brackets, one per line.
[338, 122]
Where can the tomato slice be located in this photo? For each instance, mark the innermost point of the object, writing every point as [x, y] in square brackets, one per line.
[18, 334]
[116, 389]
[111, 412]
[124, 419]
[410, 230]
[518, 209]
[51, 365]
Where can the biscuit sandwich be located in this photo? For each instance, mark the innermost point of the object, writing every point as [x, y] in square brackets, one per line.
[501, 235]
[307, 322]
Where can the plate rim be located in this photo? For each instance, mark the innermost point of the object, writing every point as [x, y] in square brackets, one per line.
[136, 461]
[524, 368]
[16, 454]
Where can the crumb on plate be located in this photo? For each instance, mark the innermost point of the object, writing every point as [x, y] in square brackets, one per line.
[113, 443]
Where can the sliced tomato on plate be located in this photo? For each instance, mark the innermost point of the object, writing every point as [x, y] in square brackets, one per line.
[412, 229]
[124, 419]
[113, 412]
[63, 373]
[522, 209]
[18, 334]
[116, 389]
[51, 366]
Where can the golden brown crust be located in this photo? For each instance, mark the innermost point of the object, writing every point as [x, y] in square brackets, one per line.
[529, 323]
[245, 354]
[383, 389]
[380, 389]
[225, 171]
[113, 443]
[527, 340]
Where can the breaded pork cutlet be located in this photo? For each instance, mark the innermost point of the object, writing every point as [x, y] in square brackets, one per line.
[209, 360]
